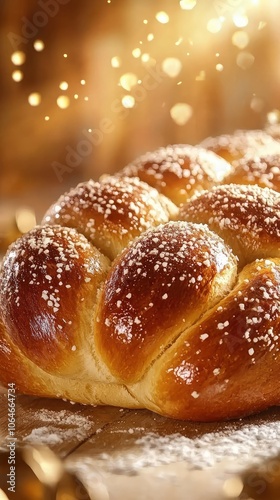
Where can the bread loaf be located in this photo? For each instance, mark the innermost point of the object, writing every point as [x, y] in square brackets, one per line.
[120, 298]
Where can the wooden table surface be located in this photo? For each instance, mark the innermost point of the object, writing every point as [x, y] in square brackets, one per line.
[123, 454]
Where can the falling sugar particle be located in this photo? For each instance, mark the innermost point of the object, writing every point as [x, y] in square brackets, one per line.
[65, 55]
[162, 17]
[179, 41]
[150, 37]
[181, 113]
[76, 96]
[18, 58]
[172, 66]
[145, 21]
[39, 45]
[83, 82]
[63, 101]
[47, 118]
[219, 67]
[34, 99]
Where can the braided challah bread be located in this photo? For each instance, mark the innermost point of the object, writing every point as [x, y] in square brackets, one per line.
[121, 298]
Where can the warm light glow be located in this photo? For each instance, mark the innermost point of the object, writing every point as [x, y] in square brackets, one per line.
[201, 76]
[17, 75]
[86, 98]
[115, 62]
[244, 60]
[219, 67]
[145, 58]
[145, 21]
[3, 495]
[25, 219]
[39, 45]
[136, 52]
[83, 82]
[47, 118]
[128, 101]
[63, 85]
[273, 116]
[18, 58]
[214, 25]
[181, 113]
[240, 39]
[171, 66]
[233, 487]
[63, 101]
[240, 20]
[187, 4]
[162, 17]
[65, 55]
[34, 99]
[128, 81]
[76, 96]
[179, 41]
[150, 37]
[257, 104]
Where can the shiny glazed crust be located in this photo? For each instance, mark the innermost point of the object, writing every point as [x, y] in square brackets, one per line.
[180, 317]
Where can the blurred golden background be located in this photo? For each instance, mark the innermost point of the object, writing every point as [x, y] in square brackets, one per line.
[88, 85]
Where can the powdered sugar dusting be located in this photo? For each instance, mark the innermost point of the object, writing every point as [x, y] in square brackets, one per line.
[49, 432]
[110, 211]
[186, 168]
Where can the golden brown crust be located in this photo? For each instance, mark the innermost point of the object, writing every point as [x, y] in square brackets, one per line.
[157, 288]
[227, 364]
[242, 143]
[263, 171]
[49, 283]
[165, 326]
[246, 217]
[111, 213]
[178, 171]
